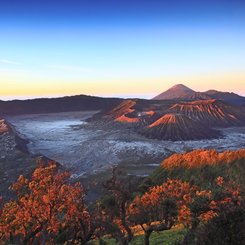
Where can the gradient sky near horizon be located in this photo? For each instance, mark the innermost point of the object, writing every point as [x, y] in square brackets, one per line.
[120, 48]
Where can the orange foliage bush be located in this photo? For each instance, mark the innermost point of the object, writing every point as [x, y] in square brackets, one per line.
[46, 205]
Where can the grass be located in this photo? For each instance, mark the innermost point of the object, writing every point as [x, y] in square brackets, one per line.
[169, 237]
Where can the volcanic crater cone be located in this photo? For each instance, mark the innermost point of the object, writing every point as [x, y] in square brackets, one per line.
[176, 127]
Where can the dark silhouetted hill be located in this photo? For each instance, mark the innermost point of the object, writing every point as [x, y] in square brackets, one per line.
[64, 104]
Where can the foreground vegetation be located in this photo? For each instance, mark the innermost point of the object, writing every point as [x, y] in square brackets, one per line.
[201, 204]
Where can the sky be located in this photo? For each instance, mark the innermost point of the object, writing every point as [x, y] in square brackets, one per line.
[117, 48]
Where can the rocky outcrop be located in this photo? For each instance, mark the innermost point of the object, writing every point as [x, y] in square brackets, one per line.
[4, 128]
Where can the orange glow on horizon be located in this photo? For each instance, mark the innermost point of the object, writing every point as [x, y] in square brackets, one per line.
[146, 87]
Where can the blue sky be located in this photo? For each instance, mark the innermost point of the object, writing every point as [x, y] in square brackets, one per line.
[120, 48]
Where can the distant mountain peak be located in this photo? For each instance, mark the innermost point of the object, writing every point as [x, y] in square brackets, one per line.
[180, 91]
[180, 86]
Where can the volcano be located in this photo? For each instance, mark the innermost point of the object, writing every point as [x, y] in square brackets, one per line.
[177, 127]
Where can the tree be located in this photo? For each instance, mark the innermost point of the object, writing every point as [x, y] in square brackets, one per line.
[113, 208]
[226, 229]
[212, 208]
[160, 207]
[48, 209]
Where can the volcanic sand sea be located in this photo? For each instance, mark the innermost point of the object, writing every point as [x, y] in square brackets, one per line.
[65, 138]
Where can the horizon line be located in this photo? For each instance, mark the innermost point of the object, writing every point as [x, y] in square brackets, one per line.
[122, 96]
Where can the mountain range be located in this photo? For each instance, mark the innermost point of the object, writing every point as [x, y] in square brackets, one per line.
[179, 113]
